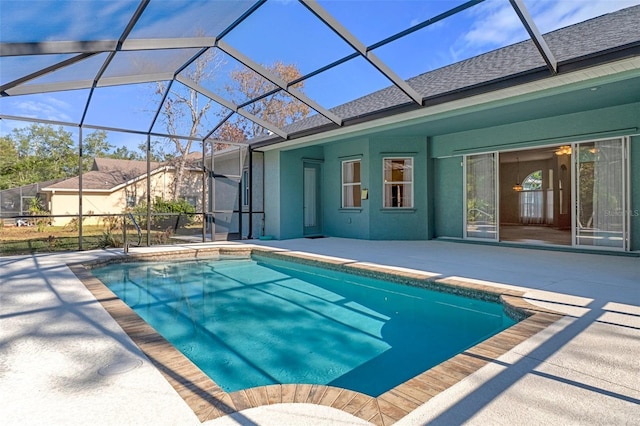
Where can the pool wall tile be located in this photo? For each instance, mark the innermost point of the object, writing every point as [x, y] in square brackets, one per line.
[241, 400]
[315, 394]
[274, 394]
[288, 393]
[302, 393]
[330, 396]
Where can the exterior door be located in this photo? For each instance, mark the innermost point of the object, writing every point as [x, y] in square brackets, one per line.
[311, 207]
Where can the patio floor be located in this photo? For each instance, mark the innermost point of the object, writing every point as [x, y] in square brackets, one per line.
[64, 360]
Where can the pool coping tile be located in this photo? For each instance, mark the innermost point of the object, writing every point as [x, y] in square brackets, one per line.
[208, 401]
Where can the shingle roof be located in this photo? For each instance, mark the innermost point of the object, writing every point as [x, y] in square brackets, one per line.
[596, 36]
[106, 174]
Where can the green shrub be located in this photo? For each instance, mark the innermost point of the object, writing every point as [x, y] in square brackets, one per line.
[108, 239]
[164, 213]
[36, 209]
[111, 223]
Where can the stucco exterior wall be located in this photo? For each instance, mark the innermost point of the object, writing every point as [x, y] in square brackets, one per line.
[349, 222]
[438, 171]
[115, 202]
[577, 127]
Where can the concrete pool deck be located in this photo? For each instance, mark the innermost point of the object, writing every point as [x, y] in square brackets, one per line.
[64, 360]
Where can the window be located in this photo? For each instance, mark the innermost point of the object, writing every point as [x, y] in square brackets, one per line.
[532, 199]
[398, 182]
[131, 200]
[245, 187]
[351, 184]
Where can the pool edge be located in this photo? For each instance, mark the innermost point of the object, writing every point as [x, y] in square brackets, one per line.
[209, 401]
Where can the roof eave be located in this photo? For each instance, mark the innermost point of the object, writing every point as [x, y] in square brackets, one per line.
[536, 74]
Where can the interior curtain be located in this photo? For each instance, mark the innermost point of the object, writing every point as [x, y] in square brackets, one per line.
[347, 177]
[531, 207]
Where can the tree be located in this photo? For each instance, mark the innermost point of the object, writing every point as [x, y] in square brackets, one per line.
[8, 159]
[52, 150]
[183, 113]
[94, 145]
[40, 153]
[123, 153]
[37, 153]
[279, 109]
[230, 132]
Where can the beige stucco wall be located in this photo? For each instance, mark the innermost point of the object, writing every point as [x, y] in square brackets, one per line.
[105, 203]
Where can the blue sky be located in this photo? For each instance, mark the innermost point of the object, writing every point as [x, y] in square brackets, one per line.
[280, 30]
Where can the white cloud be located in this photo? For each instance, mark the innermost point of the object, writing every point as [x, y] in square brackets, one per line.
[551, 15]
[49, 109]
[494, 23]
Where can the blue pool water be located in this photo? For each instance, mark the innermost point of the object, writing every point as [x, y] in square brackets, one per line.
[253, 322]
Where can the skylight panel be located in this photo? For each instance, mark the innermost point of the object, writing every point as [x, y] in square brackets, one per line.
[287, 33]
[142, 63]
[64, 20]
[187, 18]
[85, 70]
[15, 67]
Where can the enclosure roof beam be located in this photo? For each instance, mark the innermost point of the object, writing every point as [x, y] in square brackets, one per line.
[125, 33]
[259, 69]
[44, 71]
[231, 106]
[536, 37]
[56, 47]
[356, 44]
[86, 84]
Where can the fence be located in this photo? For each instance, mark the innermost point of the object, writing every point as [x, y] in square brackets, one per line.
[21, 234]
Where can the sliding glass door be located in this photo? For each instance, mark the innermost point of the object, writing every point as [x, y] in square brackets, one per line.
[481, 196]
[592, 187]
[600, 194]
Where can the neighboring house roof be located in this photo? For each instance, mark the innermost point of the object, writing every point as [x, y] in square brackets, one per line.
[129, 166]
[603, 37]
[106, 174]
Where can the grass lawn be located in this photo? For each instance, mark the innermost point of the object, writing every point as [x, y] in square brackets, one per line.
[16, 240]
[28, 239]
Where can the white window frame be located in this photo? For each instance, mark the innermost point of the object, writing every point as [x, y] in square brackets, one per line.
[404, 183]
[350, 185]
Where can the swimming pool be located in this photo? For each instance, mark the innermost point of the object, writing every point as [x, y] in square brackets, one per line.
[252, 322]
